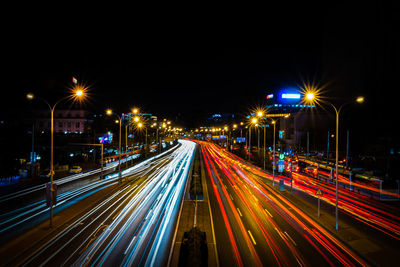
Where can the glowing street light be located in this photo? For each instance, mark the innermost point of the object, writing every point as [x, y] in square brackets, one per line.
[30, 96]
[252, 121]
[109, 112]
[77, 94]
[311, 97]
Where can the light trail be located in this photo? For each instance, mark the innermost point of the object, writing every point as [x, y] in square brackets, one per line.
[137, 220]
[38, 210]
[243, 179]
[378, 215]
[143, 228]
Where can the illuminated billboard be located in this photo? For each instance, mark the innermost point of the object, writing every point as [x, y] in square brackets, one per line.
[291, 96]
[106, 138]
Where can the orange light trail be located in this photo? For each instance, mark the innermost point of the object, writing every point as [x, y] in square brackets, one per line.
[245, 179]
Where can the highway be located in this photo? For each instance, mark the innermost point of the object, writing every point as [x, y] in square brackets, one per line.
[376, 214]
[26, 208]
[133, 225]
[256, 226]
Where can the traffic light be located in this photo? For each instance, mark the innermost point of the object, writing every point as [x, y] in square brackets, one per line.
[281, 156]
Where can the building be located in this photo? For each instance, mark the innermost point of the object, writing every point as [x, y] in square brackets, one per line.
[65, 121]
[294, 117]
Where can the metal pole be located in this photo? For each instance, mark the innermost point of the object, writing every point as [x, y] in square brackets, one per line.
[126, 138]
[33, 151]
[102, 151]
[337, 159]
[327, 151]
[249, 141]
[119, 150]
[264, 145]
[126, 146]
[308, 144]
[319, 206]
[51, 165]
[350, 174]
[273, 161]
[347, 149]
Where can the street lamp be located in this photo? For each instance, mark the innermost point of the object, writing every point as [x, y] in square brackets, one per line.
[273, 159]
[260, 114]
[78, 94]
[140, 125]
[273, 122]
[109, 112]
[252, 121]
[310, 97]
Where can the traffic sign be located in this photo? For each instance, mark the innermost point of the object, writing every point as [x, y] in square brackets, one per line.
[319, 192]
[281, 165]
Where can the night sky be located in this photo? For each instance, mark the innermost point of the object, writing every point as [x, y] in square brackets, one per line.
[172, 66]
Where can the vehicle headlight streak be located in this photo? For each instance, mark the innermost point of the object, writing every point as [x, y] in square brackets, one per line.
[159, 199]
[373, 213]
[25, 214]
[312, 232]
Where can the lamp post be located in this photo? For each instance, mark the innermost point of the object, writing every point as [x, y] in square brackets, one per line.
[120, 118]
[273, 157]
[260, 114]
[77, 94]
[310, 97]
[140, 125]
[252, 121]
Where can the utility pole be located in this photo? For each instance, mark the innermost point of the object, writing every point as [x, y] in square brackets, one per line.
[347, 149]
[327, 150]
[33, 151]
[308, 143]
[264, 143]
[249, 141]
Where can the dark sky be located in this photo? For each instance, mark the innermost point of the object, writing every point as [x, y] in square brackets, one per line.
[172, 65]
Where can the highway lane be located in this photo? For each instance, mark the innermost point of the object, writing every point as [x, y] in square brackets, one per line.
[376, 214]
[31, 210]
[15, 196]
[132, 226]
[262, 227]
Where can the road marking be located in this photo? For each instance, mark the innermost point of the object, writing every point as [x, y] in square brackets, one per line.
[130, 244]
[252, 238]
[255, 198]
[268, 213]
[290, 238]
[239, 212]
[230, 196]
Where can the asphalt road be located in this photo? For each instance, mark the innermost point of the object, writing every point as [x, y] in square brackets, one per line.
[132, 225]
[256, 226]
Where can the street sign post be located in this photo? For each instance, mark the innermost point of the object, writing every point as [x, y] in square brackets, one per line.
[54, 194]
[319, 194]
[281, 165]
